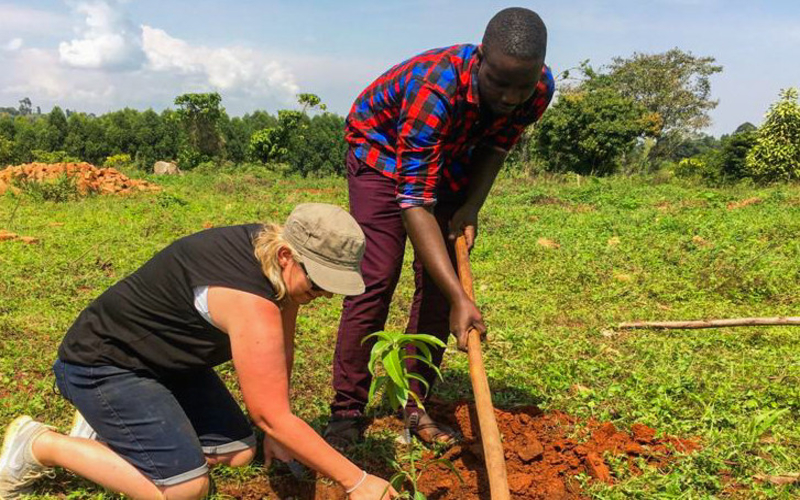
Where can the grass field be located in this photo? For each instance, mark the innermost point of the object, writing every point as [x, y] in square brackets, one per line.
[558, 263]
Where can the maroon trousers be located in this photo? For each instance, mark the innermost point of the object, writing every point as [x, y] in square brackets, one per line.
[374, 206]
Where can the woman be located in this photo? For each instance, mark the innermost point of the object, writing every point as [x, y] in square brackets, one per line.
[138, 363]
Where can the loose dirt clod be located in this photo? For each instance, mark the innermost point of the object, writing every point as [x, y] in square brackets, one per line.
[88, 178]
[533, 451]
[544, 451]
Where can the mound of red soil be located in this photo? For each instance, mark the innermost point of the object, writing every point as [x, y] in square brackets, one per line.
[87, 177]
[544, 451]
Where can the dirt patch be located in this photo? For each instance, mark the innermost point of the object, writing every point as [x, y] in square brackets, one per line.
[548, 243]
[544, 452]
[9, 236]
[744, 203]
[88, 178]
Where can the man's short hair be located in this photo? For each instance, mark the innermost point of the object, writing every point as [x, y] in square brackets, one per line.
[517, 32]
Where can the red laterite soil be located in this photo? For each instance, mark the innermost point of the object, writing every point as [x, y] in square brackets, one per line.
[543, 453]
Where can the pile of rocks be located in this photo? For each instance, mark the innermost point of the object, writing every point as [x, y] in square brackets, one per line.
[88, 178]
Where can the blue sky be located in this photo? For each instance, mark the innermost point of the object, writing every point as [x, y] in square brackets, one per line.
[100, 55]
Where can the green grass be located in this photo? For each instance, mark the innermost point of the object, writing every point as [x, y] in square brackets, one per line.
[628, 249]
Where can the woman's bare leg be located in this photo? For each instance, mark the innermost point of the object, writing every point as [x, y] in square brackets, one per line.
[98, 463]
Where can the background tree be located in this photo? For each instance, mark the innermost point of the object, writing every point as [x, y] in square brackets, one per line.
[199, 116]
[309, 101]
[745, 127]
[272, 144]
[168, 145]
[86, 139]
[6, 152]
[236, 136]
[695, 144]
[120, 131]
[589, 129]
[25, 106]
[776, 153]
[734, 150]
[674, 85]
[320, 149]
[56, 130]
[287, 140]
[7, 129]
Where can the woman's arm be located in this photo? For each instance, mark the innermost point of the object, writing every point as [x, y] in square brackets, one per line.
[260, 356]
[289, 320]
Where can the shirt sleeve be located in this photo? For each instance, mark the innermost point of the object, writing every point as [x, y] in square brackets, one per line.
[423, 122]
[507, 136]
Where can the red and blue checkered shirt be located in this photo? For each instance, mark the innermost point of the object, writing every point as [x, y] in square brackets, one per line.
[419, 122]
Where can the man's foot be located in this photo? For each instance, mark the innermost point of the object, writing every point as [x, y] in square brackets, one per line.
[420, 425]
[343, 431]
[18, 467]
[81, 428]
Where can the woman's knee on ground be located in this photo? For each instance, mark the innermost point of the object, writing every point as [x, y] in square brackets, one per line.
[233, 459]
[193, 489]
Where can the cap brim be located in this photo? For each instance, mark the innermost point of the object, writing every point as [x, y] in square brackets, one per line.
[339, 281]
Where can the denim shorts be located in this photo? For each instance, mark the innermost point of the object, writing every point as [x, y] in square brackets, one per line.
[163, 427]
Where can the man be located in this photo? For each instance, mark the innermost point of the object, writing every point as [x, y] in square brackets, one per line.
[427, 140]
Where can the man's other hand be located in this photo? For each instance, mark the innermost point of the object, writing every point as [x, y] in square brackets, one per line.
[465, 220]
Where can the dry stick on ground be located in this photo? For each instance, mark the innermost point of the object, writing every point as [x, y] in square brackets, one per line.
[490, 435]
[714, 323]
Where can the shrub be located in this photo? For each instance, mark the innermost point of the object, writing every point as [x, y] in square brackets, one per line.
[117, 161]
[208, 167]
[589, 131]
[776, 153]
[59, 190]
[41, 156]
[189, 158]
[733, 155]
[6, 151]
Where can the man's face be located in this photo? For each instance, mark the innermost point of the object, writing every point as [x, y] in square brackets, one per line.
[505, 82]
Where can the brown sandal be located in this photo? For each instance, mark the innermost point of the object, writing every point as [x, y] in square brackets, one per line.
[422, 426]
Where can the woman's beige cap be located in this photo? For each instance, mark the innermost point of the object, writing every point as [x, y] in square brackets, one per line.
[330, 243]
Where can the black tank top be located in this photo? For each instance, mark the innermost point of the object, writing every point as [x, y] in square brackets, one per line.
[148, 322]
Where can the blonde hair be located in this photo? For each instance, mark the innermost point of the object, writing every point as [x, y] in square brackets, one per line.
[267, 244]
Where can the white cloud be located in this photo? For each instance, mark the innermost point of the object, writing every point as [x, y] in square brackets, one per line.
[145, 63]
[13, 45]
[16, 19]
[36, 73]
[227, 68]
[109, 40]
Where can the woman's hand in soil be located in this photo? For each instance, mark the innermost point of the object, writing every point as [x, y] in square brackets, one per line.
[373, 488]
[272, 449]
[464, 315]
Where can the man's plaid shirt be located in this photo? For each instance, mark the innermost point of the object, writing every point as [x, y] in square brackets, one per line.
[419, 122]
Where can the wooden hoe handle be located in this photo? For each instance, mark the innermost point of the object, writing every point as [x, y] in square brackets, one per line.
[490, 435]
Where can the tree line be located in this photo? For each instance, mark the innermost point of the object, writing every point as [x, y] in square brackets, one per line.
[198, 131]
[636, 115]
